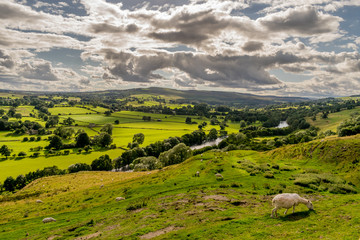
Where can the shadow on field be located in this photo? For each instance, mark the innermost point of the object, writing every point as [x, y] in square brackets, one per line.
[296, 216]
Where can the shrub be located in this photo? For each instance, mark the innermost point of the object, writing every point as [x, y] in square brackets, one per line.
[145, 163]
[177, 154]
[77, 167]
[103, 163]
[25, 139]
[342, 189]
[268, 175]
[22, 154]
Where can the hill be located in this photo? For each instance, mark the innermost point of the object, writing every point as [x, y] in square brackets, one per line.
[213, 97]
[175, 204]
[180, 96]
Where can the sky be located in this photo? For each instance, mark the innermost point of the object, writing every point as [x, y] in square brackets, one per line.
[306, 48]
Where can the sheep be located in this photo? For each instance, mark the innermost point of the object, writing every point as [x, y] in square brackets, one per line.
[39, 201]
[197, 174]
[101, 186]
[48, 219]
[218, 175]
[288, 200]
[119, 199]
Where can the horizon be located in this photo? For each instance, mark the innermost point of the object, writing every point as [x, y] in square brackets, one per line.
[261, 47]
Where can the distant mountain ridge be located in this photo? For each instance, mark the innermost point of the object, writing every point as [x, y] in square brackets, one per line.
[184, 96]
[215, 97]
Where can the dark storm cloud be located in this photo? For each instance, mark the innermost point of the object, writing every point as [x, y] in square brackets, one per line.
[303, 20]
[238, 71]
[252, 46]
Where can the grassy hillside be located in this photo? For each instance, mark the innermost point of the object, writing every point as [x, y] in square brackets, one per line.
[333, 120]
[175, 204]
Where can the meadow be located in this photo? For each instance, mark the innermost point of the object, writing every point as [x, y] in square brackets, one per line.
[333, 120]
[175, 204]
[91, 120]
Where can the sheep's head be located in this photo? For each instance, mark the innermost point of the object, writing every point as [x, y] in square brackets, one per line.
[310, 205]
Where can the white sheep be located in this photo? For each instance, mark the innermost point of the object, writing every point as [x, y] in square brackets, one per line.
[288, 200]
[197, 174]
[39, 201]
[48, 219]
[119, 199]
[218, 175]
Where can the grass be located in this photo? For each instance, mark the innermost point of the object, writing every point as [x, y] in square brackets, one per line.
[130, 123]
[333, 120]
[187, 207]
[15, 167]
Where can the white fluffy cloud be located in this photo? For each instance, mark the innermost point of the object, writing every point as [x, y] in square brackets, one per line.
[198, 44]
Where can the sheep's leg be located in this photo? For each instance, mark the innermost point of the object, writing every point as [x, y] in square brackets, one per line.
[293, 208]
[286, 211]
[274, 211]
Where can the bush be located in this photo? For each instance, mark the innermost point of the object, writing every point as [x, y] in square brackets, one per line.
[177, 154]
[306, 180]
[268, 175]
[22, 154]
[342, 189]
[77, 167]
[103, 163]
[25, 139]
[145, 163]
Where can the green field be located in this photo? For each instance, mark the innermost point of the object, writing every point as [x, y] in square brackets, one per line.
[333, 120]
[174, 204]
[161, 127]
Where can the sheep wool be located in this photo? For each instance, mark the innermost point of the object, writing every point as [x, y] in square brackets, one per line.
[288, 200]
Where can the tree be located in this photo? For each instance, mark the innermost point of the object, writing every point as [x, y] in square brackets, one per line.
[22, 154]
[9, 184]
[213, 134]
[2, 112]
[107, 113]
[82, 140]
[103, 163]
[107, 128]
[11, 112]
[77, 167]
[17, 115]
[103, 139]
[5, 151]
[20, 182]
[55, 142]
[242, 123]
[188, 120]
[139, 138]
[52, 121]
[177, 154]
[69, 121]
[64, 132]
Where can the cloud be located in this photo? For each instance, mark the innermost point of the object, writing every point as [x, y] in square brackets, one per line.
[38, 70]
[252, 46]
[5, 60]
[301, 21]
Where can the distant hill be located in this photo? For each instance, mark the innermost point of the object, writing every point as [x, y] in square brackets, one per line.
[213, 97]
[182, 96]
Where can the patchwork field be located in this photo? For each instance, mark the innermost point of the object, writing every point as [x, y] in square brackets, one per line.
[130, 123]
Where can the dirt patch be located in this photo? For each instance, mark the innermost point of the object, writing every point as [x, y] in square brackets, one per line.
[53, 237]
[217, 198]
[89, 236]
[159, 232]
